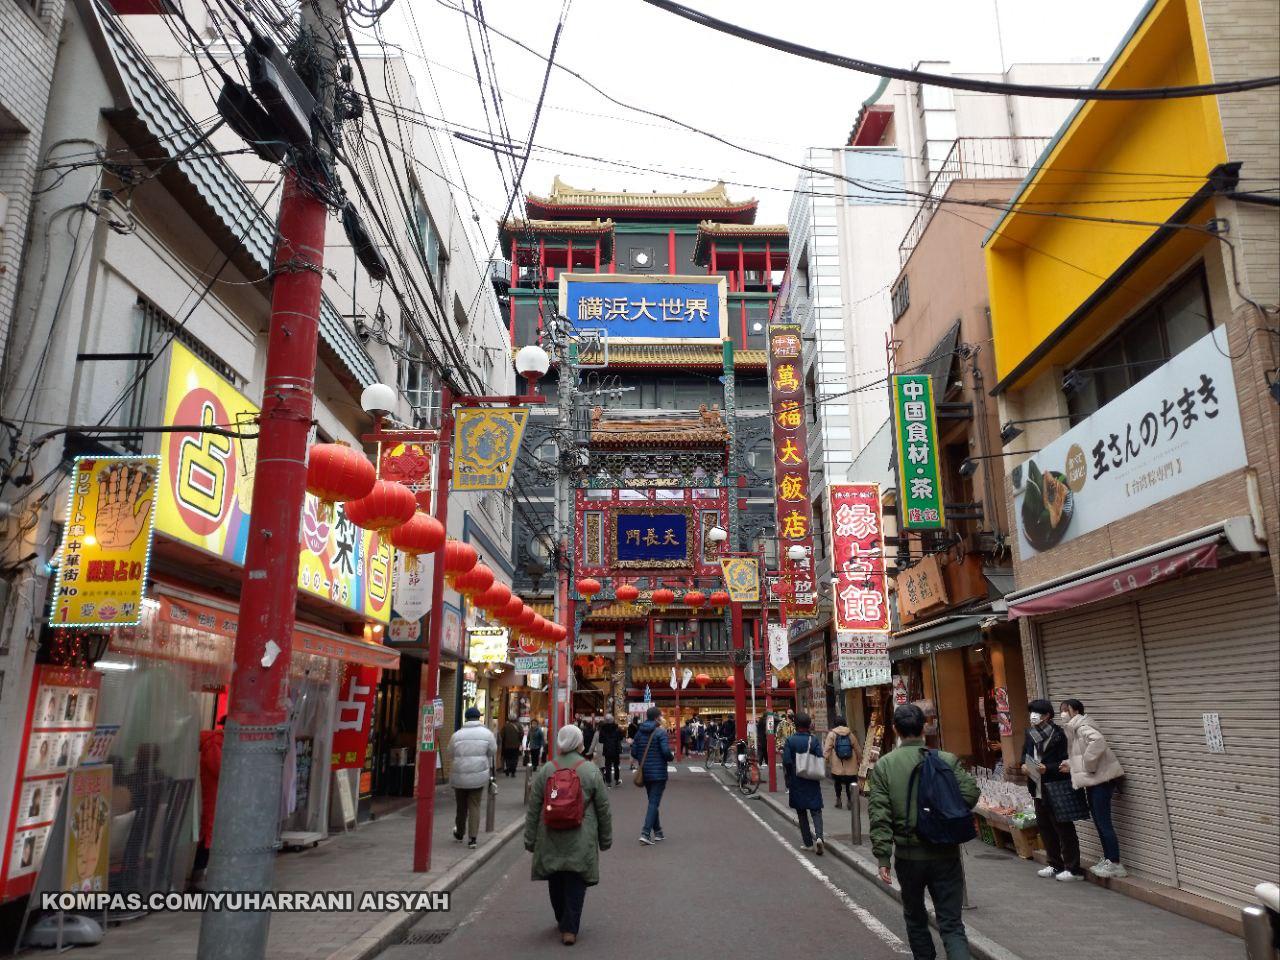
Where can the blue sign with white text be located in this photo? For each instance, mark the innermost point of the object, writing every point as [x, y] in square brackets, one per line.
[667, 309]
[652, 537]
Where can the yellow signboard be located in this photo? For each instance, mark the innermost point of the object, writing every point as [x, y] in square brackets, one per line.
[206, 492]
[106, 542]
[485, 445]
[742, 577]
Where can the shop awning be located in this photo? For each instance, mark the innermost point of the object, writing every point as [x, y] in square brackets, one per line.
[945, 633]
[1198, 550]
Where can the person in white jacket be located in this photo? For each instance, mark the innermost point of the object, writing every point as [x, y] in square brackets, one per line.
[472, 749]
[1095, 770]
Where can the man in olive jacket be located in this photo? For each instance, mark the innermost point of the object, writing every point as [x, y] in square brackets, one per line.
[919, 865]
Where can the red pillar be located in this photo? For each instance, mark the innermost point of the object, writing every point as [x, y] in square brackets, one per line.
[739, 674]
[425, 789]
[671, 252]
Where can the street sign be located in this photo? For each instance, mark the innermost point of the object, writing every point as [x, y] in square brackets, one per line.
[427, 729]
[532, 664]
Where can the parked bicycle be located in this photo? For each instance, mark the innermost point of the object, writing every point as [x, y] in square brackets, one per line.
[747, 769]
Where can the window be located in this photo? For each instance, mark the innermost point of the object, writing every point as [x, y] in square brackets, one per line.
[901, 297]
[1174, 321]
[415, 381]
[711, 636]
[430, 244]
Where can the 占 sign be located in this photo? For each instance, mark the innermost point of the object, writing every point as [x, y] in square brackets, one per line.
[646, 309]
[916, 433]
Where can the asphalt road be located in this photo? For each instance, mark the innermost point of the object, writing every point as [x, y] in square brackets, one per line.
[729, 882]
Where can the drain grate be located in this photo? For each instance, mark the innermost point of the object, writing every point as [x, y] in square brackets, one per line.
[426, 936]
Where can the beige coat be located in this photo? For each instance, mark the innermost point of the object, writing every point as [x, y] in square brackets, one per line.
[835, 766]
[1091, 760]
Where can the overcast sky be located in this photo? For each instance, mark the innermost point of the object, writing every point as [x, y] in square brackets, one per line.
[748, 94]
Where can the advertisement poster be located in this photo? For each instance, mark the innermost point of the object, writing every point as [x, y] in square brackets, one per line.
[87, 847]
[357, 690]
[863, 659]
[916, 436]
[106, 542]
[793, 512]
[641, 308]
[857, 557]
[1177, 428]
[206, 492]
[487, 645]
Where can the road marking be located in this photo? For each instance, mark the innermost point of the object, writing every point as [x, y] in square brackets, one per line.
[878, 929]
[697, 769]
[672, 768]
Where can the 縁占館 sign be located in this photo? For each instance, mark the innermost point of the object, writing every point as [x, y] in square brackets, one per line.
[646, 309]
[1176, 429]
[862, 659]
[857, 557]
[916, 433]
[793, 512]
[106, 542]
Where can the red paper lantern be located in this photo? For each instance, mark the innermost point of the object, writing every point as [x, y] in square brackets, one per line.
[337, 473]
[528, 617]
[662, 597]
[701, 679]
[695, 598]
[474, 582]
[729, 679]
[791, 682]
[493, 599]
[459, 557]
[387, 505]
[588, 587]
[423, 533]
[627, 593]
[511, 612]
[720, 599]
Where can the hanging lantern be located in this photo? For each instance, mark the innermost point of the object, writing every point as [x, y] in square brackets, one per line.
[720, 599]
[510, 613]
[459, 558]
[528, 617]
[474, 582]
[663, 598]
[695, 598]
[627, 593]
[701, 679]
[493, 599]
[337, 473]
[422, 533]
[729, 678]
[387, 505]
[559, 632]
[791, 682]
[588, 587]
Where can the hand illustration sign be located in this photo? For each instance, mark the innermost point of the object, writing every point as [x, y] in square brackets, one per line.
[125, 498]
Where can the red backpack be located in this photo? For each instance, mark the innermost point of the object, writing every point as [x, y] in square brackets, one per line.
[563, 802]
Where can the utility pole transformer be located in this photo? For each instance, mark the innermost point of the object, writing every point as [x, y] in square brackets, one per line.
[257, 730]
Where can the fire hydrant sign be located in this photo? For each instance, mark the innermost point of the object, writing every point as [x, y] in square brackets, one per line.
[106, 542]
[916, 431]
[857, 557]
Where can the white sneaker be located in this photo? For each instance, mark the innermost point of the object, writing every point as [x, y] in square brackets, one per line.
[1103, 868]
[1118, 871]
[806, 846]
[1048, 873]
[1066, 876]
[818, 846]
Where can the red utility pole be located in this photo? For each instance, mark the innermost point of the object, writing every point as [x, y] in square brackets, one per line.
[424, 790]
[739, 674]
[257, 732]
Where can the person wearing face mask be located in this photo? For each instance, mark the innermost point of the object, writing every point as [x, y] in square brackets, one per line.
[1095, 770]
[1043, 752]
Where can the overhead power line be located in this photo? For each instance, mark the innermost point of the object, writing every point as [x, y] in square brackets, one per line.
[961, 83]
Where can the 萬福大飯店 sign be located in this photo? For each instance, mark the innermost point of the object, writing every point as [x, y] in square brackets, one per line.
[106, 542]
[793, 512]
[919, 474]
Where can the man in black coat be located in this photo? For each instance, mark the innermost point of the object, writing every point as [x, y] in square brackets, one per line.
[1043, 750]
[610, 736]
[728, 730]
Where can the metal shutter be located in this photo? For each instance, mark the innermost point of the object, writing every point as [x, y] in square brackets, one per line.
[1211, 647]
[1094, 654]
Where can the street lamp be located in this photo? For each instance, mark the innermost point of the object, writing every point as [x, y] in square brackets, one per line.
[717, 535]
[378, 400]
[532, 363]
[797, 552]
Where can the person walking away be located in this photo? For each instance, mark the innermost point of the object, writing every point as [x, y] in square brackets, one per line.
[472, 750]
[512, 737]
[785, 728]
[762, 754]
[210, 771]
[610, 736]
[652, 750]
[1043, 751]
[588, 737]
[536, 743]
[567, 824]
[633, 725]
[802, 768]
[699, 735]
[907, 780]
[728, 736]
[1095, 770]
[844, 758]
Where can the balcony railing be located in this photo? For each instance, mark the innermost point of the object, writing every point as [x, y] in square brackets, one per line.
[972, 158]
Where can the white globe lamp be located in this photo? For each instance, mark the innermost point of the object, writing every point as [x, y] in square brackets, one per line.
[378, 399]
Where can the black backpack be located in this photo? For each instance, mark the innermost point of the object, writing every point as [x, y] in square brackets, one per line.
[844, 746]
[942, 816]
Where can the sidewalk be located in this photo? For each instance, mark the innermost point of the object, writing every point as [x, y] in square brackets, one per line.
[1007, 902]
[376, 856]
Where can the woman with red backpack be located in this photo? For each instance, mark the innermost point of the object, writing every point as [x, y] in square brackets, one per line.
[567, 824]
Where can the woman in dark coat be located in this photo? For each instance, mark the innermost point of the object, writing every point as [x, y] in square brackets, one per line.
[804, 796]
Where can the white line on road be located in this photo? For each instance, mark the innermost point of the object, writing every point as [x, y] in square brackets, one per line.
[868, 919]
[672, 768]
[697, 769]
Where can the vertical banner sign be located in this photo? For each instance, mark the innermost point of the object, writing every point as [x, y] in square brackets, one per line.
[742, 577]
[87, 841]
[857, 557]
[357, 688]
[106, 542]
[916, 433]
[793, 511]
[779, 646]
[485, 445]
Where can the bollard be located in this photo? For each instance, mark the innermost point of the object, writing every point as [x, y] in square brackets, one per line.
[490, 810]
[855, 815]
